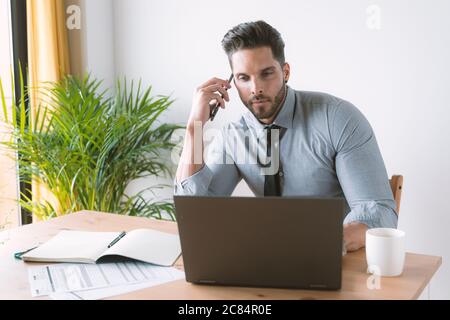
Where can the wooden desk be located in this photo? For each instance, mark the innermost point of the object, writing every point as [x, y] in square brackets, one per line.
[418, 271]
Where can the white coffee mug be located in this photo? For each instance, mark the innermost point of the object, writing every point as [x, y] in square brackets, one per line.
[385, 251]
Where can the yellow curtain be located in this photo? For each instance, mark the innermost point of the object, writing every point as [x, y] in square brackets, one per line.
[48, 58]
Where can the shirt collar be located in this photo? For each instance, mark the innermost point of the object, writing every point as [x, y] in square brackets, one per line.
[284, 118]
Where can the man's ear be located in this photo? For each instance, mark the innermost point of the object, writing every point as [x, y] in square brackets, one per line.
[286, 72]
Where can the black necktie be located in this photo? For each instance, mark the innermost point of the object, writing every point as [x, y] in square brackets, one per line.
[272, 182]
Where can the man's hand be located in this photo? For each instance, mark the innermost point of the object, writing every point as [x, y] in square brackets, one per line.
[213, 89]
[355, 235]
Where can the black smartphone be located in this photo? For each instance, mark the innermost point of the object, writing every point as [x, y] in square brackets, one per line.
[215, 107]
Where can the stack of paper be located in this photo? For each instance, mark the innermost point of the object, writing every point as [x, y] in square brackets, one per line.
[97, 281]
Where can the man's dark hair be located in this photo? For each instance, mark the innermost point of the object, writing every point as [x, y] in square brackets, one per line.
[250, 35]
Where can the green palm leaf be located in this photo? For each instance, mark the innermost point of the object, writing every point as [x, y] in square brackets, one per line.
[87, 148]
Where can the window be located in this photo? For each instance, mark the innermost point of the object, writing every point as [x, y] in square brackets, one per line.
[9, 210]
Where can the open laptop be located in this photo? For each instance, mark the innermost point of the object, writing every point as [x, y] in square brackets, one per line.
[282, 242]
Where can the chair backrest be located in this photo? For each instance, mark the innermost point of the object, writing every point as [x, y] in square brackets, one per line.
[396, 182]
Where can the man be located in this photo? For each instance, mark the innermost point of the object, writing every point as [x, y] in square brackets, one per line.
[326, 146]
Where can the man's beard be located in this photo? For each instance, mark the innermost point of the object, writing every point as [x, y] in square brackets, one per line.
[274, 107]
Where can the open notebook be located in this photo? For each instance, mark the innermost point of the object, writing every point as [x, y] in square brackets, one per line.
[145, 245]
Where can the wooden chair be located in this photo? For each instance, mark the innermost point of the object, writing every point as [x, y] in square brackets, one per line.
[396, 182]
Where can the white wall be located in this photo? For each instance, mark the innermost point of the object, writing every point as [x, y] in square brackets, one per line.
[398, 76]
[98, 40]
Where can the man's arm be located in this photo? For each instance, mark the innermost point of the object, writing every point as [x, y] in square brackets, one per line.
[191, 159]
[218, 176]
[193, 176]
[361, 173]
[189, 164]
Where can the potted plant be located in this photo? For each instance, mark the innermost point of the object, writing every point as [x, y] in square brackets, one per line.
[86, 147]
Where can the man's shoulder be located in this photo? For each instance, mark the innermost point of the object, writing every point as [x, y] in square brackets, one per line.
[321, 102]
[318, 98]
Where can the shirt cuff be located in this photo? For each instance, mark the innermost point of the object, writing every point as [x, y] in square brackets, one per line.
[373, 214]
[197, 184]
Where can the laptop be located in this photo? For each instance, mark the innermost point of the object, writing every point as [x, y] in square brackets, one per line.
[277, 242]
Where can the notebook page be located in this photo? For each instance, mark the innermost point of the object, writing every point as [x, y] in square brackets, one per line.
[70, 245]
[148, 245]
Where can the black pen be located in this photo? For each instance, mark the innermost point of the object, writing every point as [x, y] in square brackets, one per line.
[215, 108]
[120, 236]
